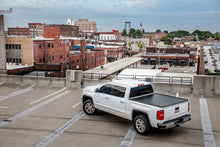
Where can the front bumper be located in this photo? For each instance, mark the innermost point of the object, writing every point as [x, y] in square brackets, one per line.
[175, 122]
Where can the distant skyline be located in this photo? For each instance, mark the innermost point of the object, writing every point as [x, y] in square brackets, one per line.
[168, 15]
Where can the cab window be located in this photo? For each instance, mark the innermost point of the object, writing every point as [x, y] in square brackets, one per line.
[141, 90]
[118, 91]
[106, 89]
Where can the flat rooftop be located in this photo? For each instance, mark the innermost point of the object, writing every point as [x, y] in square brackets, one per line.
[114, 67]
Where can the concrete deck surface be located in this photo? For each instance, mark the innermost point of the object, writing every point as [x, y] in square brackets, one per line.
[100, 130]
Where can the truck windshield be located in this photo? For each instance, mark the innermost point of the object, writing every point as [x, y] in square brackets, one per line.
[141, 90]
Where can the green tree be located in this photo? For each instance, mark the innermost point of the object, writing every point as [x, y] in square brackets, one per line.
[166, 40]
[124, 32]
[165, 31]
[132, 30]
[217, 36]
[137, 34]
[129, 44]
[150, 36]
[158, 30]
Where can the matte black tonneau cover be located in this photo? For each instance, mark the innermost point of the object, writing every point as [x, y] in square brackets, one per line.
[159, 100]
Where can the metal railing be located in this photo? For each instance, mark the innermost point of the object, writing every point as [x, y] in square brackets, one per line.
[153, 79]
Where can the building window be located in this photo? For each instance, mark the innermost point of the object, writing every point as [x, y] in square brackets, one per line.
[52, 45]
[61, 57]
[48, 45]
[39, 45]
[53, 58]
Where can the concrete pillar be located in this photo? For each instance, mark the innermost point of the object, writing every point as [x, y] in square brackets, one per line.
[2, 46]
[74, 79]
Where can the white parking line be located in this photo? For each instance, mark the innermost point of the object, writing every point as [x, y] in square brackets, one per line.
[76, 105]
[3, 107]
[59, 131]
[127, 141]
[33, 108]
[47, 96]
[17, 93]
[208, 136]
[1, 83]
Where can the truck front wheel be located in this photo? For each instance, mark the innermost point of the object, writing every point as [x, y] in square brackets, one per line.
[89, 107]
[141, 125]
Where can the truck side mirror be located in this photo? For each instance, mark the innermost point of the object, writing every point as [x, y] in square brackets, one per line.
[97, 90]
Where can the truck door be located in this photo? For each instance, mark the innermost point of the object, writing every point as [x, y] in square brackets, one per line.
[117, 101]
[102, 97]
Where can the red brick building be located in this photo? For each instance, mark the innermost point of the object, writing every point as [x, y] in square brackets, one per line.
[154, 35]
[55, 49]
[51, 49]
[33, 28]
[113, 53]
[18, 31]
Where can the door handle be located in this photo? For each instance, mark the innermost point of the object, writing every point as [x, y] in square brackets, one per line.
[122, 102]
[106, 98]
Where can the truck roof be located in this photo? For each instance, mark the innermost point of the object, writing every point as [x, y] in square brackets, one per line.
[130, 82]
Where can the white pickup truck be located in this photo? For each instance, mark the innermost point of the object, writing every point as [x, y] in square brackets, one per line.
[136, 101]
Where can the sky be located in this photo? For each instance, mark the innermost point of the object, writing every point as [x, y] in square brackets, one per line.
[168, 15]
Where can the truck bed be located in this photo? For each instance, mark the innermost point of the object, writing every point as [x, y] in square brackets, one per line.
[159, 100]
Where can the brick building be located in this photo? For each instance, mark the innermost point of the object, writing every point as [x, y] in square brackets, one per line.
[154, 35]
[171, 59]
[173, 56]
[68, 30]
[18, 31]
[51, 48]
[33, 28]
[113, 53]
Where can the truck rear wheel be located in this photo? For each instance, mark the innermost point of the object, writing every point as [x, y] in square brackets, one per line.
[89, 107]
[141, 125]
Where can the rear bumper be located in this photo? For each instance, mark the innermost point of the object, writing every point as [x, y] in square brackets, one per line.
[175, 122]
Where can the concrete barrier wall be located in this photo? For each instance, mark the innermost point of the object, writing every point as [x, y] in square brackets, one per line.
[206, 85]
[45, 81]
[202, 85]
[38, 81]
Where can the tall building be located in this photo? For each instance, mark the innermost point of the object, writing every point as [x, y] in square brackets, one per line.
[85, 25]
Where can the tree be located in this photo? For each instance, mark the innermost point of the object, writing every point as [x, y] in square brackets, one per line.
[166, 40]
[129, 44]
[136, 34]
[150, 36]
[132, 30]
[165, 31]
[158, 30]
[124, 32]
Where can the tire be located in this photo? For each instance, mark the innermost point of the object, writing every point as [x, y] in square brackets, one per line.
[89, 108]
[141, 125]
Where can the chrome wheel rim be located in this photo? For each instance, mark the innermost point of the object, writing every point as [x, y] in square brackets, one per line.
[140, 125]
[89, 107]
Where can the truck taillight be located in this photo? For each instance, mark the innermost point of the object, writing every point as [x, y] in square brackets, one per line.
[160, 115]
[188, 106]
